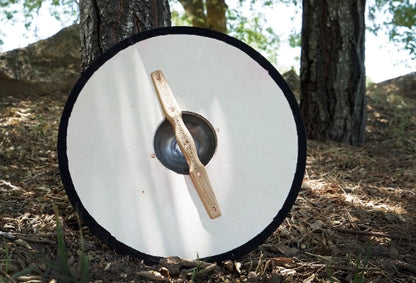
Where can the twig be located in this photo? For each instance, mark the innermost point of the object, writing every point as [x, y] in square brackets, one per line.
[367, 233]
[404, 266]
[325, 258]
[33, 178]
[39, 238]
[2, 273]
[10, 185]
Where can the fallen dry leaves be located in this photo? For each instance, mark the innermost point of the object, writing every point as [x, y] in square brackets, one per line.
[355, 214]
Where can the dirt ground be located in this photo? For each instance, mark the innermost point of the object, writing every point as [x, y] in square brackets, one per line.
[354, 219]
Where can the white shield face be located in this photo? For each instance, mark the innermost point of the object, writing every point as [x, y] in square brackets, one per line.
[137, 205]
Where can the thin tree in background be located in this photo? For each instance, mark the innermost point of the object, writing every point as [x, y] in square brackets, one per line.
[209, 14]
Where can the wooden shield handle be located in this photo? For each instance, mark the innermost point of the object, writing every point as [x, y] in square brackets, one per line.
[186, 143]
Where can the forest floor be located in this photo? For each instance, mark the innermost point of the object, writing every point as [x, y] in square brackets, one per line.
[353, 221]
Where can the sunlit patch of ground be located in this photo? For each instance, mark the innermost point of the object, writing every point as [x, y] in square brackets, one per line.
[355, 214]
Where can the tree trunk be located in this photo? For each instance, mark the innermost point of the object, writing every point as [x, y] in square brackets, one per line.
[209, 14]
[216, 18]
[195, 10]
[103, 23]
[333, 101]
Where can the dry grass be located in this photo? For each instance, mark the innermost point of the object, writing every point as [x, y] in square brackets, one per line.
[355, 215]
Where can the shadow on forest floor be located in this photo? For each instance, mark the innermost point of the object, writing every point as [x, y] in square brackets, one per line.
[355, 214]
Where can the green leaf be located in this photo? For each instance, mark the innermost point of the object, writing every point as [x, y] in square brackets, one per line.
[398, 18]
[9, 14]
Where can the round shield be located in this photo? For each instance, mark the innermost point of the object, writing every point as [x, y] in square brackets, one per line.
[123, 167]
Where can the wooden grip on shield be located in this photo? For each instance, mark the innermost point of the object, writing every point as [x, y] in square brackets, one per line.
[186, 143]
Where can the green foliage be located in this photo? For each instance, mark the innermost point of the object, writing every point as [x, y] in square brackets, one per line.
[254, 32]
[178, 19]
[23, 272]
[295, 39]
[84, 275]
[5, 263]
[251, 28]
[25, 11]
[360, 269]
[62, 266]
[330, 274]
[399, 17]
[194, 272]
[4, 3]
[62, 254]
[270, 3]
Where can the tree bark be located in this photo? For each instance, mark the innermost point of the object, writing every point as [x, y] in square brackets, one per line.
[333, 101]
[195, 10]
[216, 17]
[209, 14]
[103, 23]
